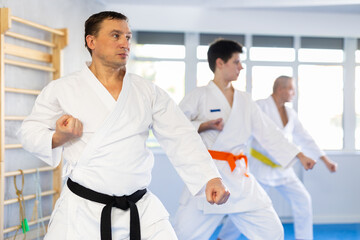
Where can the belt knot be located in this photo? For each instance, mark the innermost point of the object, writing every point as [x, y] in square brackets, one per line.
[120, 202]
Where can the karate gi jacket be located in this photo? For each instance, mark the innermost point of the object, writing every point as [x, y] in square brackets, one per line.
[294, 132]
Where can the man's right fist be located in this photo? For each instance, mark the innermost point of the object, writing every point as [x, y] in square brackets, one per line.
[67, 128]
[216, 191]
[307, 162]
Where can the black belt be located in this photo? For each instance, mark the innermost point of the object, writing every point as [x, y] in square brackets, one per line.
[123, 202]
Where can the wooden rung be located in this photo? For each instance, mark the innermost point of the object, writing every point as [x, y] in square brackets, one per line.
[11, 229]
[24, 91]
[29, 197]
[32, 234]
[29, 171]
[14, 118]
[30, 39]
[36, 25]
[30, 65]
[12, 146]
[27, 53]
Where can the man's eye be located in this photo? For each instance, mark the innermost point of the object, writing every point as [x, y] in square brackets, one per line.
[116, 35]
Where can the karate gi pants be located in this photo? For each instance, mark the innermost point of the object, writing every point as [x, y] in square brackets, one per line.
[300, 201]
[89, 228]
[192, 224]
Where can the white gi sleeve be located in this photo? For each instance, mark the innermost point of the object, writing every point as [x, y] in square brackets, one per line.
[271, 138]
[38, 128]
[182, 143]
[302, 138]
[191, 106]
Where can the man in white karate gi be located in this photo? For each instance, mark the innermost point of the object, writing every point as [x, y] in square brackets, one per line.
[99, 118]
[226, 119]
[271, 175]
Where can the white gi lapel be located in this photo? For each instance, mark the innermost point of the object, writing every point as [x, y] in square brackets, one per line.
[100, 90]
[229, 131]
[274, 112]
[217, 106]
[275, 116]
[108, 123]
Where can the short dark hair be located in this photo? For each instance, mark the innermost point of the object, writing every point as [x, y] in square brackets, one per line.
[223, 49]
[92, 24]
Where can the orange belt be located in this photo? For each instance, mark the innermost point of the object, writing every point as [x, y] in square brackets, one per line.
[230, 158]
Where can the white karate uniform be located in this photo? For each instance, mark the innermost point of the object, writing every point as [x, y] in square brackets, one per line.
[111, 156]
[243, 120]
[284, 180]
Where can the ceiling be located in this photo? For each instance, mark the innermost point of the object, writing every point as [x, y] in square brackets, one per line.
[331, 6]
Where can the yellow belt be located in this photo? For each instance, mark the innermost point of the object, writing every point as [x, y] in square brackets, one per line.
[262, 158]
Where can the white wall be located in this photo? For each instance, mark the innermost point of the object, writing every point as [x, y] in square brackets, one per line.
[336, 197]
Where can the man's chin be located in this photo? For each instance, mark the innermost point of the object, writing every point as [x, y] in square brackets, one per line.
[119, 64]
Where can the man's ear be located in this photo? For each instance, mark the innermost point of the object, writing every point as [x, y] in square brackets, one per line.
[219, 63]
[90, 41]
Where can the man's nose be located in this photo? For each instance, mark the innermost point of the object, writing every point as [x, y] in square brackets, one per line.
[124, 43]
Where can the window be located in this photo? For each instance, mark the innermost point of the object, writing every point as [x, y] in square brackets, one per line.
[321, 50]
[320, 100]
[266, 53]
[272, 54]
[317, 63]
[320, 104]
[160, 51]
[160, 57]
[272, 48]
[321, 55]
[263, 78]
[169, 75]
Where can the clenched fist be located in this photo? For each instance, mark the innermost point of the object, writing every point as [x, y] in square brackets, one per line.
[216, 124]
[307, 162]
[67, 128]
[331, 165]
[216, 191]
